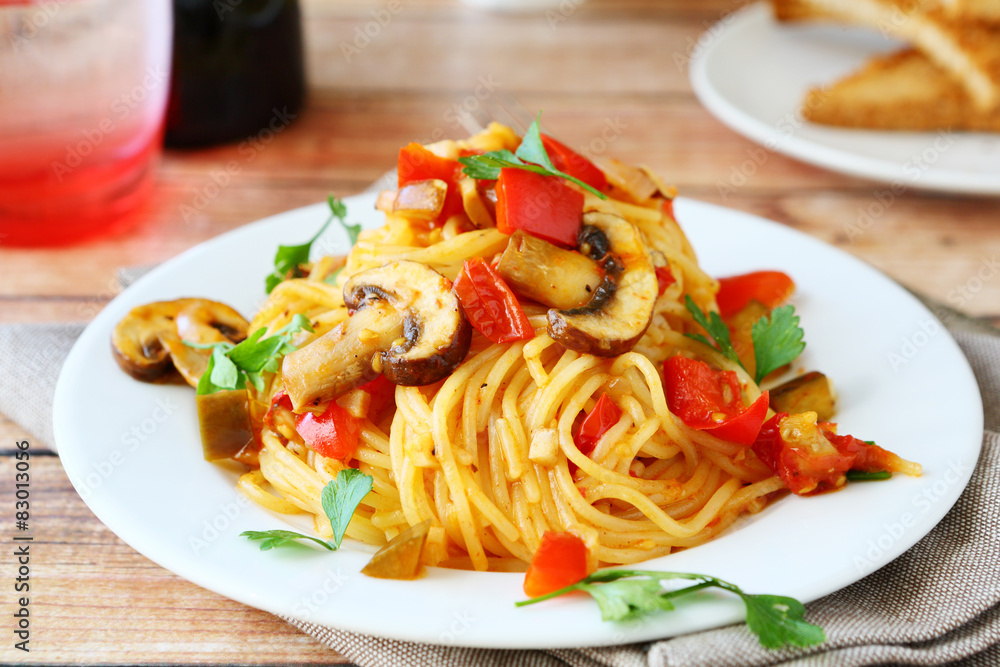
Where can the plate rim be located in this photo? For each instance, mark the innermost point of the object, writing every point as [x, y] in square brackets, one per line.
[723, 611]
[934, 179]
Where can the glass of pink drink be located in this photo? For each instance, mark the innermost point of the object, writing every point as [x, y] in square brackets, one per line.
[83, 91]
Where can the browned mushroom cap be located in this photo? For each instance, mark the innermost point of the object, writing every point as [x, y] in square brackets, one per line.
[149, 341]
[548, 274]
[408, 325]
[621, 309]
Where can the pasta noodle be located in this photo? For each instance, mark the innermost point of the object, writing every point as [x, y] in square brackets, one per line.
[488, 453]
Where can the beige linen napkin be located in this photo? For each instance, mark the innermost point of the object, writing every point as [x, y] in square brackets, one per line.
[937, 604]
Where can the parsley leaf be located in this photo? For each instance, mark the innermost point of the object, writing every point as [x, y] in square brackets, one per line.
[530, 156]
[289, 257]
[776, 340]
[715, 327]
[233, 366]
[628, 594]
[276, 538]
[340, 499]
[342, 496]
[779, 621]
[628, 599]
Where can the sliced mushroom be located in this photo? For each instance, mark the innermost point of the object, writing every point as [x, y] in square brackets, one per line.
[408, 325]
[620, 311]
[149, 341]
[548, 274]
[631, 180]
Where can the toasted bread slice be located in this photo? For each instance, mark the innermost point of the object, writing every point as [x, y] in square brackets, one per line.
[974, 10]
[899, 91]
[969, 51]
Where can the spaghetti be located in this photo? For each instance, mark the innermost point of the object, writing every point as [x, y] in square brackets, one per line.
[488, 454]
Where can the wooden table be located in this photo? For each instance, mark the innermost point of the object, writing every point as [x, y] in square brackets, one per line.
[607, 67]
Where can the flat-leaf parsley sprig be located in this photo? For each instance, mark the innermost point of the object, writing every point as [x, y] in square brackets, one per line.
[530, 156]
[340, 500]
[236, 366]
[289, 257]
[624, 595]
[777, 340]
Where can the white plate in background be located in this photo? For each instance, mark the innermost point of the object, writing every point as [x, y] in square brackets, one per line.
[752, 73]
[133, 452]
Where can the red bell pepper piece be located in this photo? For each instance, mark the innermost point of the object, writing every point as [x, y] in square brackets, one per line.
[664, 279]
[771, 288]
[568, 161]
[543, 206]
[801, 454]
[417, 164]
[333, 434]
[489, 304]
[561, 560]
[603, 416]
[709, 400]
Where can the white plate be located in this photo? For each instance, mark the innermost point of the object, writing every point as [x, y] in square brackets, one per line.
[132, 450]
[752, 73]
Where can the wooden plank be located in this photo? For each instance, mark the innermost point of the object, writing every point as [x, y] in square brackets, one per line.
[95, 600]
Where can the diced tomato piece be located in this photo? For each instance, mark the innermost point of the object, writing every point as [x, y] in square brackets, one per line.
[710, 400]
[383, 395]
[279, 401]
[568, 161]
[603, 416]
[543, 206]
[489, 303]
[771, 288]
[868, 457]
[668, 208]
[333, 434]
[664, 278]
[561, 560]
[417, 164]
[799, 452]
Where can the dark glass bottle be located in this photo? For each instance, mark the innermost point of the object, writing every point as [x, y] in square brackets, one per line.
[237, 68]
